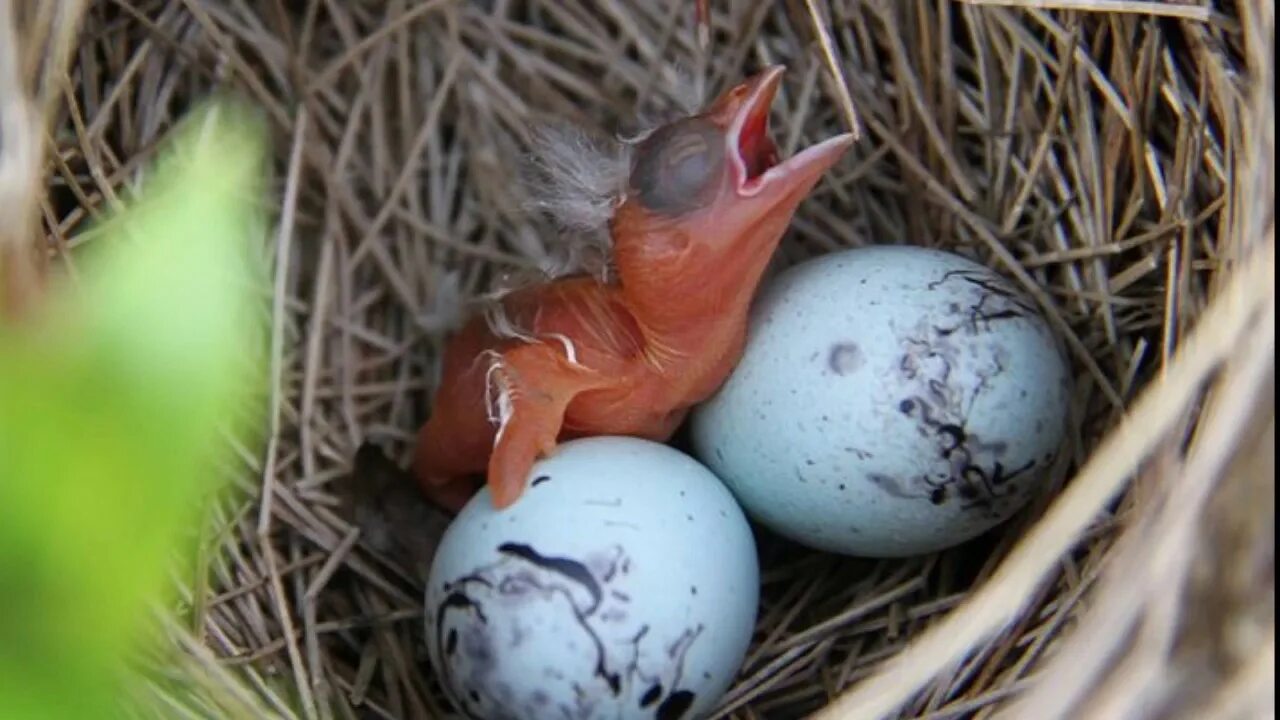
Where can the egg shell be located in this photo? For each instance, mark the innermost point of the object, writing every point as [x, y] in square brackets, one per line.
[890, 401]
[623, 584]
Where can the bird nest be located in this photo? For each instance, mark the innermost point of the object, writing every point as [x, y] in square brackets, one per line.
[1113, 159]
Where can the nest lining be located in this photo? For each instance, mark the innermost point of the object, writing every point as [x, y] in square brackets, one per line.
[1107, 161]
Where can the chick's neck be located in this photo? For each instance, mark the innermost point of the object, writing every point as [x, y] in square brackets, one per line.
[690, 287]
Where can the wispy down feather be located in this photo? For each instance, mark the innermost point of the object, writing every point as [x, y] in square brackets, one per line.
[576, 177]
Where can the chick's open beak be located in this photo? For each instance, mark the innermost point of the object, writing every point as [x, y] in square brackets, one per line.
[750, 146]
[758, 170]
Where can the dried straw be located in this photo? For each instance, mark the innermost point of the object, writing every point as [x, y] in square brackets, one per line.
[1112, 157]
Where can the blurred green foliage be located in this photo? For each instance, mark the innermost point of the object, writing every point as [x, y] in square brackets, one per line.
[113, 403]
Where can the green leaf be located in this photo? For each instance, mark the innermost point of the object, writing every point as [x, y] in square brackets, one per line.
[112, 407]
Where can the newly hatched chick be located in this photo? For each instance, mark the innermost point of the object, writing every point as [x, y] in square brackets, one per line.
[692, 230]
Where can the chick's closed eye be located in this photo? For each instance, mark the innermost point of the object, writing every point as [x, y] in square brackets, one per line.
[677, 166]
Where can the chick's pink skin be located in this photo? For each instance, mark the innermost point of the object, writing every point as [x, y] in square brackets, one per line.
[633, 356]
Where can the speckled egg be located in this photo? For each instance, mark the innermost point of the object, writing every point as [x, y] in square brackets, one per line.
[891, 401]
[623, 584]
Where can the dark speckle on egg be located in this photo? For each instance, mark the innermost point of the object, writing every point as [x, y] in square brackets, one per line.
[651, 695]
[676, 705]
[888, 484]
[475, 645]
[844, 358]
[539, 480]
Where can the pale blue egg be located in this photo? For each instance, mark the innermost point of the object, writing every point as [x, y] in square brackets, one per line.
[890, 401]
[623, 584]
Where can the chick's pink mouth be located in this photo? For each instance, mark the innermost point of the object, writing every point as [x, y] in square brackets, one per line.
[756, 151]
[755, 147]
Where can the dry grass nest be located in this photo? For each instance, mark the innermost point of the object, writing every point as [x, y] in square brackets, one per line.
[1113, 158]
